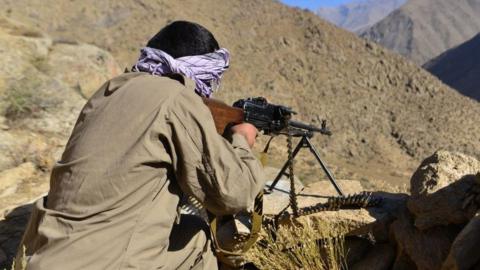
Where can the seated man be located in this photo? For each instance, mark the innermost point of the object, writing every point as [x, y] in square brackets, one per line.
[143, 141]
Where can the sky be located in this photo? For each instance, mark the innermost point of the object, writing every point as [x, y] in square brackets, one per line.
[314, 4]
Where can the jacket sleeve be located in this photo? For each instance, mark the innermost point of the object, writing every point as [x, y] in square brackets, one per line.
[223, 175]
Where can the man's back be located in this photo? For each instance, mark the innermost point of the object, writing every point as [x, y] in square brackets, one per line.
[144, 140]
[113, 145]
[110, 195]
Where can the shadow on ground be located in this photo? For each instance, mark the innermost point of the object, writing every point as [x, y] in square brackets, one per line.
[11, 231]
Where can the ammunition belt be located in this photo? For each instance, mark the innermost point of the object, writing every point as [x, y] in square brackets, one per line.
[334, 203]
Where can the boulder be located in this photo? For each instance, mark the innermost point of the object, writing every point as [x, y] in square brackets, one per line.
[440, 170]
[427, 249]
[464, 253]
[444, 190]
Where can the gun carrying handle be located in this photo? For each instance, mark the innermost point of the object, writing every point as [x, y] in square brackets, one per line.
[223, 114]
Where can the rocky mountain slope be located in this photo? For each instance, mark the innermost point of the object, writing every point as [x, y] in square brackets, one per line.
[423, 29]
[359, 15]
[42, 88]
[459, 67]
[385, 112]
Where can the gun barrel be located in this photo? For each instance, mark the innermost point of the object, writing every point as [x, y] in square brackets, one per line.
[297, 124]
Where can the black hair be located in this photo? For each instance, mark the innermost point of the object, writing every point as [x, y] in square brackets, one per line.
[182, 38]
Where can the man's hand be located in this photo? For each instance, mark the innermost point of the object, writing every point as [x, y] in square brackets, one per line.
[248, 130]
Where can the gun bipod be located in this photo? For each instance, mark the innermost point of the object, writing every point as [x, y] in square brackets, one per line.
[305, 143]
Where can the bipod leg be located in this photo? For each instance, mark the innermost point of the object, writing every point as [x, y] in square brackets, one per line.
[324, 167]
[285, 166]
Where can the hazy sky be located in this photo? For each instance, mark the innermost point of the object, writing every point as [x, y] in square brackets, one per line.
[314, 4]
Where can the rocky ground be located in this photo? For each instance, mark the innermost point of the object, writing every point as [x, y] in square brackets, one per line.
[437, 226]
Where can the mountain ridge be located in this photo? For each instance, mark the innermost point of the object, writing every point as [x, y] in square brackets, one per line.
[357, 16]
[459, 67]
[422, 29]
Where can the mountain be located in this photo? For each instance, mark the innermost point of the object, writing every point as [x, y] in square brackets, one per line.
[423, 29]
[359, 15]
[460, 67]
[385, 112]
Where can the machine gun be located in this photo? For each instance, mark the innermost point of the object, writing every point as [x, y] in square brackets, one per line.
[269, 118]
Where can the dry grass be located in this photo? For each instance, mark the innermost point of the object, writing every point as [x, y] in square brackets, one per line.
[301, 247]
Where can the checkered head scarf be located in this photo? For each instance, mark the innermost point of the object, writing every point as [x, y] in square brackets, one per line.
[206, 70]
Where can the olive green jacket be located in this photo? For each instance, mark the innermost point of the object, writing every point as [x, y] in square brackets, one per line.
[140, 143]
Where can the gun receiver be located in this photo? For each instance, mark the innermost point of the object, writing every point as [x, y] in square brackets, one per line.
[269, 118]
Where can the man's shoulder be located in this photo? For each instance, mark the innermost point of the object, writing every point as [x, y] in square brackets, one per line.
[141, 82]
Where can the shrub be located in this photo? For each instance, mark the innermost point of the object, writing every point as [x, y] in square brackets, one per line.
[22, 99]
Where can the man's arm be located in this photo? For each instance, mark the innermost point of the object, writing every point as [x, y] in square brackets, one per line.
[222, 174]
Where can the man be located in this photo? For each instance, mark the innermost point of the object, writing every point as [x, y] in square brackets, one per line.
[141, 143]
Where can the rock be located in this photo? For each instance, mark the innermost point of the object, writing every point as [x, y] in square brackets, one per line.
[315, 192]
[450, 205]
[7, 145]
[440, 170]
[11, 178]
[464, 253]
[444, 190]
[427, 249]
[379, 257]
[92, 66]
[356, 248]
[351, 222]
[276, 201]
[403, 262]
[372, 220]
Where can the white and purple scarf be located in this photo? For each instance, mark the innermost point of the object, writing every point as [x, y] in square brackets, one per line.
[206, 70]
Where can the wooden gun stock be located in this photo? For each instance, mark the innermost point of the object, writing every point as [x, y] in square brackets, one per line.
[223, 114]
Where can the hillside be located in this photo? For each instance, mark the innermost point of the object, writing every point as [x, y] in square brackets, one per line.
[359, 15]
[422, 29]
[385, 112]
[459, 67]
